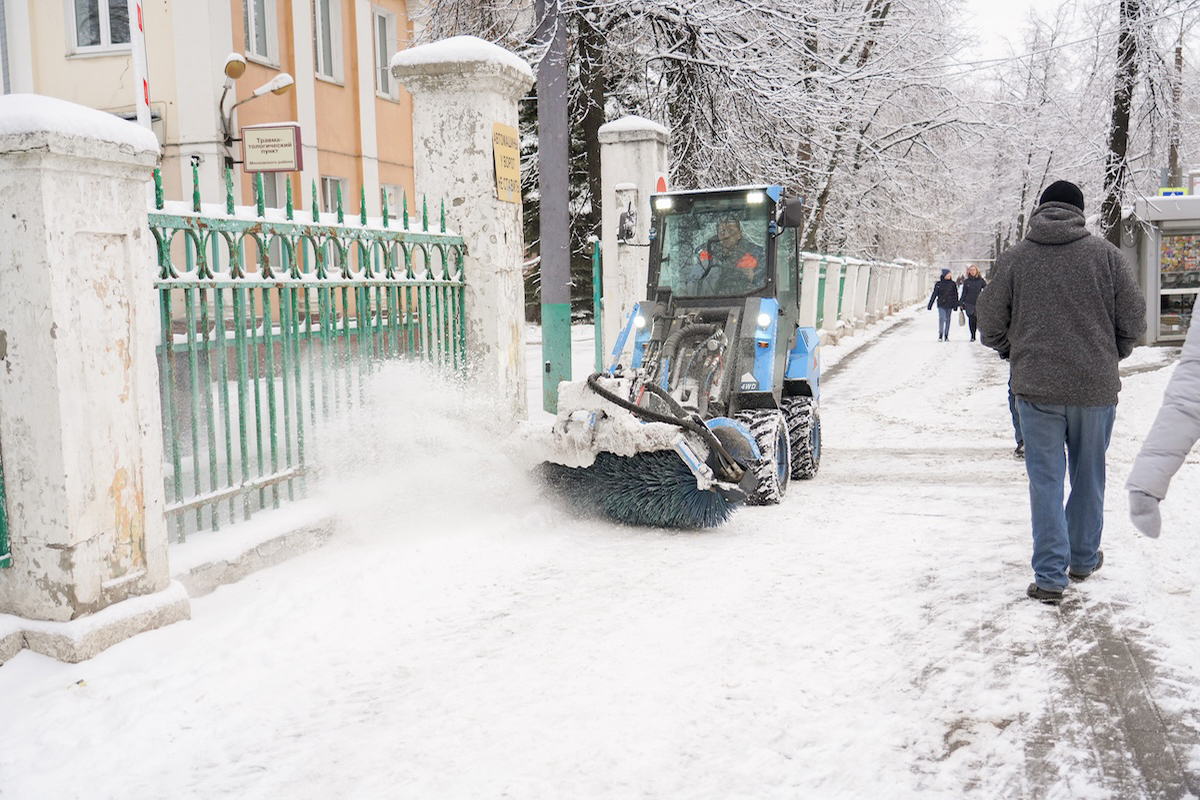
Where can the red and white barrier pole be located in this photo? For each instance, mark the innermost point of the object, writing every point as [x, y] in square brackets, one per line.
[137, 42]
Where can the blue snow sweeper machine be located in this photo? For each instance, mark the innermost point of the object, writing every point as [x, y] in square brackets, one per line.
[710, 397]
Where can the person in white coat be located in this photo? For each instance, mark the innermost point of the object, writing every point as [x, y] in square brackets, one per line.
[1174, 432]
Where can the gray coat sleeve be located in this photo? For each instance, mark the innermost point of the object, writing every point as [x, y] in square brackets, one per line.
[1176, 428]
[1130, 307]
[993, 310]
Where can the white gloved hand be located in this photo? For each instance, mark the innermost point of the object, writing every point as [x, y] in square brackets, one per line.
[1143, 512]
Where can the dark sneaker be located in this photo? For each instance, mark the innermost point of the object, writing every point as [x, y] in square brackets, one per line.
[1044, 595]
[1019, 453]
[1083, 576]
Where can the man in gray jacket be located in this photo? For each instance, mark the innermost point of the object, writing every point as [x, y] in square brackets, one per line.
[1063, 307]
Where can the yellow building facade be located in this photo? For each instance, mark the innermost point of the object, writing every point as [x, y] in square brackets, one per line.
[355, 121]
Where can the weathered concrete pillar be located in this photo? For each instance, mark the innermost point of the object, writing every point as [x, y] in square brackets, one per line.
[876, 299]
[895, 289]
[461, 88]
[633, 156]
[833, 285]
[80, 422]
[849, 292]
[810, 280]
[861, 287]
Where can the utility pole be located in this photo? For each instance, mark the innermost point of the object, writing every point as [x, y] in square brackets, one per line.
[1174, 169]
[553, 190]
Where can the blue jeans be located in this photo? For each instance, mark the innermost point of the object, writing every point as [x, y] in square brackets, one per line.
[1012, 409]
[1062, 441]
[944, 315]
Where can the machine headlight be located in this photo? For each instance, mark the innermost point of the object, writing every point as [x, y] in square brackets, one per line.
[755, 198]
[764, 320]
[639, 322]
[664, 203]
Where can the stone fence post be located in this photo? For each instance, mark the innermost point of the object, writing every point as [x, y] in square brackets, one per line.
[833, 287]
[877, 293]
[810, 281]
[633, 156]
[846, 316]
[80, 420]
[461, 87]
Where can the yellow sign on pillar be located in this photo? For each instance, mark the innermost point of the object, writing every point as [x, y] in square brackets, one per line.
[507, 152]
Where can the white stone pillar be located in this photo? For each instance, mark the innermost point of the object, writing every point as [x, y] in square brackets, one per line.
[861, 287]
[633, 156]
[849, 292]
[810, 280]
[892, 287]
[461, 87]
[833, 283]
[876, 298]
[80, 422]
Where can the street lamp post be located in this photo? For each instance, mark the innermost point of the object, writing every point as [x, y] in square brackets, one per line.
[235, 67]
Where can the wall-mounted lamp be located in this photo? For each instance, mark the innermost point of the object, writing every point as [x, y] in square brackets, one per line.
[235, 67]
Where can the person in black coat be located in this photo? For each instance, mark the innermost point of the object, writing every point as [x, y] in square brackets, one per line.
[945, 293]
[972, 285]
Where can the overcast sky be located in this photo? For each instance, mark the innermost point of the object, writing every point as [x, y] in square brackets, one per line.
[997, 23]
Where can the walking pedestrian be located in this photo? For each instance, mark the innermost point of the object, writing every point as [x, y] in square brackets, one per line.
[945, 294]
[972, 285]
[1063, 350]
[1173, 434]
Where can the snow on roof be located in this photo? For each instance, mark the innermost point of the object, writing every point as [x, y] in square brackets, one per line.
[33, 113]
[461, 48]
[633, 123]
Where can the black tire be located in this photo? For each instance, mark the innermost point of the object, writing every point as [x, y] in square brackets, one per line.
[804, 434]
[769, 429]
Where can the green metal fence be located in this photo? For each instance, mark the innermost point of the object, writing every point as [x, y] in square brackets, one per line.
[270, 324]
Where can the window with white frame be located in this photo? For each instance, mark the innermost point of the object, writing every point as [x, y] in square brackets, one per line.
[329, 192]
[99, 25]
[329, 203]
[327, 39]
[274, 195]
[392, 192]
[383, 28]
[258, 28]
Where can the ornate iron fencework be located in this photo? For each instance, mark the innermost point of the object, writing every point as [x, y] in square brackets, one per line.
[269, 324]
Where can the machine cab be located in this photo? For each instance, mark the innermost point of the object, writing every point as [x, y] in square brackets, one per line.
[728, 243]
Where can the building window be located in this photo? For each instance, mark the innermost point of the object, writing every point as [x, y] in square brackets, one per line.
[327, 39]
[329, 196]
[383, 26]
[100, 24]
[258, 27]
[392, 192]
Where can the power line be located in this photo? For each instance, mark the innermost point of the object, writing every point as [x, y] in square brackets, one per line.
[978, 66]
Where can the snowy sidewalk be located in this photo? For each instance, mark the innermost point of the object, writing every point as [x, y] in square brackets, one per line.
[465, 637]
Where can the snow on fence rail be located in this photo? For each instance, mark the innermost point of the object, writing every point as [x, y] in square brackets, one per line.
[269, 323]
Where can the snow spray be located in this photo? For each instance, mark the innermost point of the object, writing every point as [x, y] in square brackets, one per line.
[417, 450]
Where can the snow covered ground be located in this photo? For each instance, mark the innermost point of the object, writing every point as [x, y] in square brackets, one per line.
[464, 637]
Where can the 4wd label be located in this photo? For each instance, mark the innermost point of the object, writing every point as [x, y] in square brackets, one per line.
[749, 383]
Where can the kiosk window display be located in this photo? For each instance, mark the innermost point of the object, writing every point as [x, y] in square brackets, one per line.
[1179, 283]
[1163, 235]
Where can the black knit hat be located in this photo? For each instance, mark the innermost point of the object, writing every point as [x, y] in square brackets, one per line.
[1063, 192]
